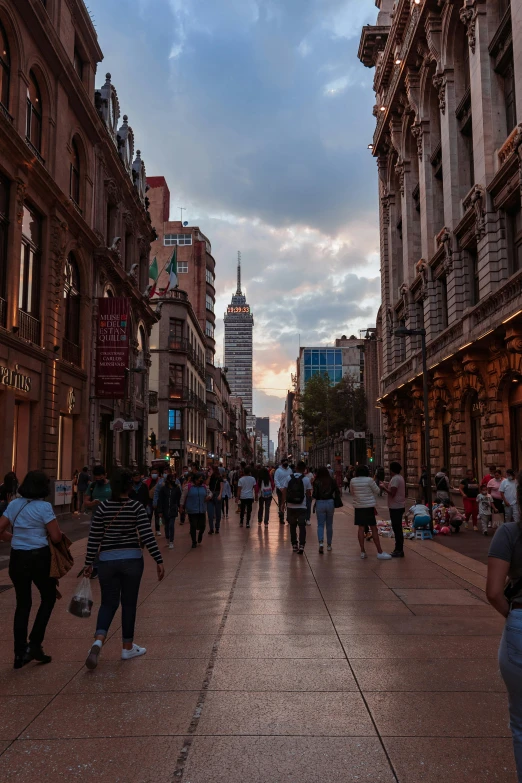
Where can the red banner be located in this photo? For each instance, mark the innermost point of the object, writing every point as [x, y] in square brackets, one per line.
[112, 347]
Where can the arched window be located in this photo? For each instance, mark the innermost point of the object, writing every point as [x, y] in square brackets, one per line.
[5, 68]
[71, 295]
[74, 184]
[33, 129]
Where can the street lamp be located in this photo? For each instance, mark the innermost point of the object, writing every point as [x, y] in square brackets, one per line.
[402, 331]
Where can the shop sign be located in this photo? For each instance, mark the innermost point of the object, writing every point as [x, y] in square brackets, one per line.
[112, 347]
[62, 494]
[352, 435]
[126, 426]
[15, 379]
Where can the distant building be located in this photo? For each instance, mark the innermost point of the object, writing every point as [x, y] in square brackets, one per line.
[271, 451]
[239, 327]
[345, 358]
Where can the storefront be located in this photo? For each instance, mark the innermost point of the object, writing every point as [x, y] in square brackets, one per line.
[72, 428]
[20, 391]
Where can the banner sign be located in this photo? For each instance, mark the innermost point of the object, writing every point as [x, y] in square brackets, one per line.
[63, 492]
[112, 347]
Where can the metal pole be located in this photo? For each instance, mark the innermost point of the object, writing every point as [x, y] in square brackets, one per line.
[426, 421]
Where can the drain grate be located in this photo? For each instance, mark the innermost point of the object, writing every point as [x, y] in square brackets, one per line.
[3, 588]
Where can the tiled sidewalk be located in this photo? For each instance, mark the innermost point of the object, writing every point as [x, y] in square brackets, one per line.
[266, 667]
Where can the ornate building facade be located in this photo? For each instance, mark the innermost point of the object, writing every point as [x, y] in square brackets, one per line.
[73, 227]
[448, 145]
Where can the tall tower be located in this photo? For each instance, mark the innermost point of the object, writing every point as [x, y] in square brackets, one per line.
[239, 327]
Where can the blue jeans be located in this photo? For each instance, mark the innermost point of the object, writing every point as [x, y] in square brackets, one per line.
[510, 663]
[325, 514]
[119, 580]
[169, 527]
[214, 511]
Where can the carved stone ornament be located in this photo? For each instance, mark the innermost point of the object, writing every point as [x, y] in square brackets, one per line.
[444, 239]
[478, 199]
[513, 340]
[129, 221]
[421, 267]
[417, 133]
[113, 192]
[385, 201]
[20, 198]
[399, 170]
[439, 82]
[468, 16]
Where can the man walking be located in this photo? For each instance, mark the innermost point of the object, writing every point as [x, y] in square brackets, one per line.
[245, 496]
[297, 489]
[281, 477]
[396, 491]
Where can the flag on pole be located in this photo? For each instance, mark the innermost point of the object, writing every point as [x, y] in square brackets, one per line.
[153, 274]
[172, 270]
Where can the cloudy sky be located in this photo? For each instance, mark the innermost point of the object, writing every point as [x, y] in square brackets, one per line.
[258, 114]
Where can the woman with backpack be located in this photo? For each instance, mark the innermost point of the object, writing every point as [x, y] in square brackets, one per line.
[326, 494]
[264, 489]
[33, 520]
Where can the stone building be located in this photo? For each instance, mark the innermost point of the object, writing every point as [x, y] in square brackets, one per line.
[218, 422]
[448, 146]
[70, 186]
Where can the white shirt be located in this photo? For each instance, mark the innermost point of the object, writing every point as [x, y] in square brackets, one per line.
[307, 488]
[364, 491]
[420, 510]
[509, 488]
[246, 485]
[280, 477]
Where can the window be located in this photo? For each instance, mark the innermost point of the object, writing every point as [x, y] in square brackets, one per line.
[177, 239]
[474, 276]
[71, 295]
[209, 329]
[5, 69]
[33, 130]
[78, 63]
[28, 295]
[74, 183]
[4, 224]
[210, 277]
[175, 333]
[174, 423]
[210, 356]
[176, 381]
[182, 267]
[209, 303]
[510, 96]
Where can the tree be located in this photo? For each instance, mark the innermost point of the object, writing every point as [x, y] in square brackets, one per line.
[326, 409]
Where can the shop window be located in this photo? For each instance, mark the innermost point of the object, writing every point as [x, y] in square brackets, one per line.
[74, 179]
[72, 316]
[33, 130]
[5, 69]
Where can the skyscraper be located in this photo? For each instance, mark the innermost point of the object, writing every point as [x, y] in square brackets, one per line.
[239, 327]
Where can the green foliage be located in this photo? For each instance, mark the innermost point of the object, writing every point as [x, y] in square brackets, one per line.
[326, 409]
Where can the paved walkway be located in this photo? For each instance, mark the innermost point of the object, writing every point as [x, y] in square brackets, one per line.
[267, 667]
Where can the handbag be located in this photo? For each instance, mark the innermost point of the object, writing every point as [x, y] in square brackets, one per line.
[338, 503]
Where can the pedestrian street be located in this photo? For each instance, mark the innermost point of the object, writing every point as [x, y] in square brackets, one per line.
[267, 667]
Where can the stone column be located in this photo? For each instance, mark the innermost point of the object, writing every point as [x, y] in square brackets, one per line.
[516, 23]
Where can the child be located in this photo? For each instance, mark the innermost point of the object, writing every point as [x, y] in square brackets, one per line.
[485, 504]
[420, 515]
[453, 516]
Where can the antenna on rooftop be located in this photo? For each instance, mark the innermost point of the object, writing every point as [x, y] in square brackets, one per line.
[238, 292]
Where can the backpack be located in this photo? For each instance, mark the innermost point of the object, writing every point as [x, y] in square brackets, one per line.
[266, 490]
[441, 483]
[295, 491]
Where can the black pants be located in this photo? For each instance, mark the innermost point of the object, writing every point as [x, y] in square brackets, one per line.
[264, 503]
[396, 515]
[26, 567]
[224, 506]
[119, 580]
[297, 519]
[157, 520]
[499, 506]
[246, 505]
[197, 525]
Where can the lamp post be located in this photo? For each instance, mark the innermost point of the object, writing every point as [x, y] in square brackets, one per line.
[404, 332]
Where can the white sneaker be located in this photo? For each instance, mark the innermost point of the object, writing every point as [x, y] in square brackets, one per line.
[134, 652]
[329, 548]
[384, 556]
[171, 545]
[363, 555]
[309, 522]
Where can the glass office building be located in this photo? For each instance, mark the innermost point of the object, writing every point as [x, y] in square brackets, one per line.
[320, 361]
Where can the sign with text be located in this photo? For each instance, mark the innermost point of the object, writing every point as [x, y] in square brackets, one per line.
[62, 494]
[112, 347]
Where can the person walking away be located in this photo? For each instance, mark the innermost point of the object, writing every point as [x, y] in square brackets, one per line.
[215, 485]
[169, 498]
[151, 483]
[442, 485]
[32, 519]
[469, 489]
[494, 490]
[118, 528]
[139, 490]
[246, 494]
[505, 563]
[297, 488]
[364, 491]
[280, 480]
[485, 508]
[99, 491]
[423, 484]
[325, 492]
[264, 490]
[84, 479]
[226, 494]
[508, 492]
[194, 502]
[396, 491]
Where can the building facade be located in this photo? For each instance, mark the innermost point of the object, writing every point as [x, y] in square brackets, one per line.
[239, 328]
[70, 190]
[448, 146]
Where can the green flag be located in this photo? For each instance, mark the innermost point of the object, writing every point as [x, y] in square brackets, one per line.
[153, 270]
[172, 270]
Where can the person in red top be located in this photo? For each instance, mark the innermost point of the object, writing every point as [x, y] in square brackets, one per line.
[489, 476]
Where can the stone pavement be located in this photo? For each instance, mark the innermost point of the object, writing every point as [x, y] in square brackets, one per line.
[266, 667]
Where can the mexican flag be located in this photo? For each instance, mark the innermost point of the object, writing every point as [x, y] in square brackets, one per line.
[153, 275]
[172, 271]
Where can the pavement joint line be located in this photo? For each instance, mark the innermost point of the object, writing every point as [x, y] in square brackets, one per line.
[361, 692]
[188, 738]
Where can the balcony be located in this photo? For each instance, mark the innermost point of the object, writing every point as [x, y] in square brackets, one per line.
[28, 327]
[34, 151]
[71, 353]
[182, 394]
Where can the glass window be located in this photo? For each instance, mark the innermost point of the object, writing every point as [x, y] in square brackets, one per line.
[71, 294]
[209, 329]
[29, 291]
[175, 333]
[182, 266]
[177, 239]
[5, 68]
[78, 63]
[33, 129]
[174, 419]
[74, 184]
[210, 303]
[308, 374]
[330, 356]
[210, 277]
[338, 376]
[322, 359]
[339, 358]
[176, 381]
[307, 358]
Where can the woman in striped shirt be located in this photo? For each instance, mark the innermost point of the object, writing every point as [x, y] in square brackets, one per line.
[119, 528]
